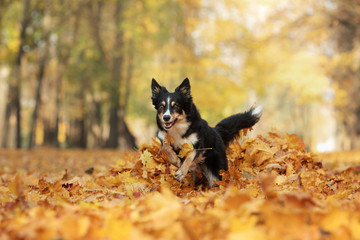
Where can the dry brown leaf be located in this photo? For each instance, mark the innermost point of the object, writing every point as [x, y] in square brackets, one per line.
[271, 182]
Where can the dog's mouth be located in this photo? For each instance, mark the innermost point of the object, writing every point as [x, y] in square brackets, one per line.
[169, 125]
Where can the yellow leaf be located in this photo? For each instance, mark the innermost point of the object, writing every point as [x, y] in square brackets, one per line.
[281, 179]
[186, 149]
[16, 185]
[146, 159]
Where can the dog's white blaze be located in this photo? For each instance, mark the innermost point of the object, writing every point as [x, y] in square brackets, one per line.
[257, 111]
[167, 112]
[168, 102]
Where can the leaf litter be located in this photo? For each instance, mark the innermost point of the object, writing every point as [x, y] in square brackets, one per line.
[274, 189]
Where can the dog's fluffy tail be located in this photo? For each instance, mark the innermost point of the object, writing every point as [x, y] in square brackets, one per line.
[229, 127]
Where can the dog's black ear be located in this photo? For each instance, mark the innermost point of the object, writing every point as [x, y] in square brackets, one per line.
[155, 89]
[184, 88]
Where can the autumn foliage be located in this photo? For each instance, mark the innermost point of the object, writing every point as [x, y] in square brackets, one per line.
[274, 189]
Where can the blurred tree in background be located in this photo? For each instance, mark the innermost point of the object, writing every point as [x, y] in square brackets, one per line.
[77, 73]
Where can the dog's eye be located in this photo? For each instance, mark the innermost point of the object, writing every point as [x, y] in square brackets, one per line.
[161, 107]
[176, 106]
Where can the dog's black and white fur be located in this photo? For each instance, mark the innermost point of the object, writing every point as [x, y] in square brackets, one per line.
[177, 116]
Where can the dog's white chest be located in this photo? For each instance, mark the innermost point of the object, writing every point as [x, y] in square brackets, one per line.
[177, 132]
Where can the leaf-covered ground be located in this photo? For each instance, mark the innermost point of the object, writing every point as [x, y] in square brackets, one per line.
[274, 189]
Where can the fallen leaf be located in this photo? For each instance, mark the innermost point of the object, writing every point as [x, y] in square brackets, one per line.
[186, 149]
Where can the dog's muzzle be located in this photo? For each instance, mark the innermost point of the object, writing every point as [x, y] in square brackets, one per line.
[167, 123]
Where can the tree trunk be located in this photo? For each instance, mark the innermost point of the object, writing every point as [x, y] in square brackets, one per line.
[346, 34]
[76, 137]
[112, 141]
[13, 99]
[129, 75]
[58, 104]
[83, 122]
[95, 129]
[63, 58]
[127, 140]
[40, 77]
[116, 79]
[48, 132]
[117, 124]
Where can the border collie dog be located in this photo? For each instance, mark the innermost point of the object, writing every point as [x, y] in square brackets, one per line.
[178, 117]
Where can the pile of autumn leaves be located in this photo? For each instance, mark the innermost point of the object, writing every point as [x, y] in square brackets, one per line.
[274, 189]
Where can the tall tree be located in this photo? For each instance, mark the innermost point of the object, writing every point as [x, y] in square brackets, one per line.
[116, 77]
[44, 58]
[13, 105]
[345, 22]
[113, 57]
[68, 23]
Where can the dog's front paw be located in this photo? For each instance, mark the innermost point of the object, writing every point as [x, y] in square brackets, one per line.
[179, 175]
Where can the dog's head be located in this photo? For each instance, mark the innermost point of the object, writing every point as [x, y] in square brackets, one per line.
[171, 106]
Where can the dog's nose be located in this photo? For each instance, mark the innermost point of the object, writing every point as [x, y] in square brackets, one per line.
[166, 118]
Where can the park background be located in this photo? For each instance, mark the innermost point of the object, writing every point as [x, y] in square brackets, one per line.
[76, 74]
